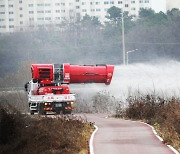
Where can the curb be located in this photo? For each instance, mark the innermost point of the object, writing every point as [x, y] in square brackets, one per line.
[91, 140]
[156, 134]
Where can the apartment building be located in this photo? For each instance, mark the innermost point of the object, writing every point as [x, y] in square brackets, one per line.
[23, 15]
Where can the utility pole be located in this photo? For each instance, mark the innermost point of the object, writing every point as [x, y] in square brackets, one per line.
[123, 39]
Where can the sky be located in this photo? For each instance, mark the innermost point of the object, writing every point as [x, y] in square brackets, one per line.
[159, 5]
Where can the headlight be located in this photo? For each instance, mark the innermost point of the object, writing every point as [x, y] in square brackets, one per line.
[72, 103]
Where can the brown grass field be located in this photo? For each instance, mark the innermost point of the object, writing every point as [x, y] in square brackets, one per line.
[26, 135]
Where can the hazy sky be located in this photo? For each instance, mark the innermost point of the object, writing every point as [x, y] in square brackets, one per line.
[159, 5]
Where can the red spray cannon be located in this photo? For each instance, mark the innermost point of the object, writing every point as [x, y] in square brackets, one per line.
[67, 73]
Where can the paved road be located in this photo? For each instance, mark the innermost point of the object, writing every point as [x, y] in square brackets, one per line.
[116, 136]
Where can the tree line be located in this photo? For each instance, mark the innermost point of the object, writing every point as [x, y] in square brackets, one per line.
[88, 41]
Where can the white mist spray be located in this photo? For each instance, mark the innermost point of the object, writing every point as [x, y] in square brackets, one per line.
[162, 79]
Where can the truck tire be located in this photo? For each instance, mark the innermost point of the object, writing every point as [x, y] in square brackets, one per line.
[67, 112]
[41, 109]
[31, 112]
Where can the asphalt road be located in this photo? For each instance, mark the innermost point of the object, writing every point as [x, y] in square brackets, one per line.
[116, 136]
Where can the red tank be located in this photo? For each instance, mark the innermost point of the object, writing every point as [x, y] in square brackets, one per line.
[66, 73]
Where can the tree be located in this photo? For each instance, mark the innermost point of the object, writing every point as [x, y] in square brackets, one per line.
[90, 21]
[146, 13]
[114, 13]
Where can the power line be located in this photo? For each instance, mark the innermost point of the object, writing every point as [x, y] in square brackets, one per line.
[170, 43]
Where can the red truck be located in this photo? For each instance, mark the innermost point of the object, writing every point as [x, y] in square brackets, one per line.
[48, 90]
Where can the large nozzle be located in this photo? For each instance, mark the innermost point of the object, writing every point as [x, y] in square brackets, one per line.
[88, 73]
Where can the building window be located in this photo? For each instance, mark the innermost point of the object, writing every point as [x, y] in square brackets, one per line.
[84, 10]
[48, 18]
[2, 12]
[63, 11]
[11, 19]
[20, 8]
[40, 11]
[58, 18]
[10, 5]
[58, 11]
[133, 8]
[146, 1]
[21, 22]
[30, 5]
[98, 10]
[111, 2]
[31, 19]
[11, 26]
[83, 3]
[11, 12]
[140, 1]
[20, 2]
[92, 10]
[126, 5]
[77, 0]
[120, 2]
[2, 26]
[2, 19]
[106, 2]
[40, 4]
[63, 4]
[91, 3]
[97, 3]
[47, 4]
[77, 7]
[105, 9]
[2, 5]
[133, 2]
[40, 18]
[31, 12]
[21, 15]
[47, 11]
[57, 4]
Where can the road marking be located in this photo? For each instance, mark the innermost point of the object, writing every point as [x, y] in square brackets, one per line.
[174, 150]
[91, 140]
[156, 134]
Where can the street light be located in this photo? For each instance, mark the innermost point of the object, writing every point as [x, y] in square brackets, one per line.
[128, 55]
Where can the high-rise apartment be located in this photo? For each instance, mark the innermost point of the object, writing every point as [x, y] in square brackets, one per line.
[22, 15]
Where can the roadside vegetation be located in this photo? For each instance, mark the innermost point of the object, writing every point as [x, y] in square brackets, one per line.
[23, 134]
[163, 114]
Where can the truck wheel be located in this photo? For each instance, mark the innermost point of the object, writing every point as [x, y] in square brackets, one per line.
[67, 112]
[42, 112]
[31, 113]
[57, 112]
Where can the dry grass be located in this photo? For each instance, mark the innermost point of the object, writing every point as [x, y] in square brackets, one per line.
[163, 114]
[17, 99]
[23, 134]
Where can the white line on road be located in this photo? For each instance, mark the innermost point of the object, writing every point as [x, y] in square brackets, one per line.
[91, 140]
[156, 134]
